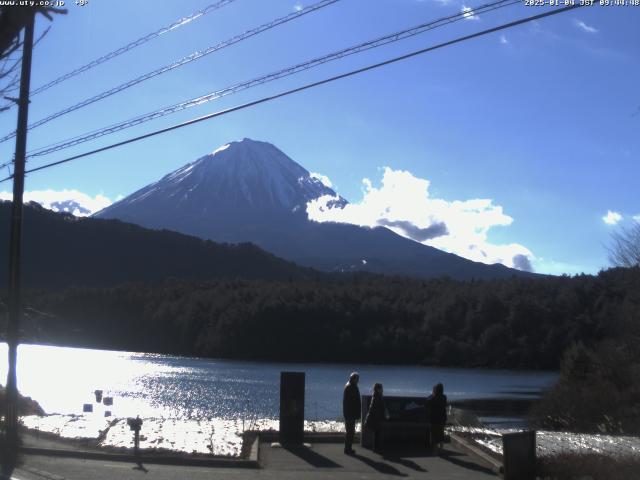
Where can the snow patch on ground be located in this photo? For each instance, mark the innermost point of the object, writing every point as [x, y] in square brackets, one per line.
[220, 437]
[223, 437]
[552, 443]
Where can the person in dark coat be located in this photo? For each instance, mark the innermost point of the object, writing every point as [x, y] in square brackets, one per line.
[437, 406]
[376, 414]
[351, 410]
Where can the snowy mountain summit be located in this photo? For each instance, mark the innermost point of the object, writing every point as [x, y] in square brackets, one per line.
[246, 176]
[250, 191]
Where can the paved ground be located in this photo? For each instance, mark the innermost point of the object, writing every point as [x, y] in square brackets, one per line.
[328, 461]
[318, 461]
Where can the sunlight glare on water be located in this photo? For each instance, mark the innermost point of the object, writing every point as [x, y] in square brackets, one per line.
[203, 405]
[62, 379]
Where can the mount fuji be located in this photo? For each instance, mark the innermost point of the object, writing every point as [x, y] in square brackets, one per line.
[250, 191]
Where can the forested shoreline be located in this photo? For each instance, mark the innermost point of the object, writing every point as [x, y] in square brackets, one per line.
[512, 323]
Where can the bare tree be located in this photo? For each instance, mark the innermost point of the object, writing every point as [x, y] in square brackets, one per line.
[624, 248]
[12, 20]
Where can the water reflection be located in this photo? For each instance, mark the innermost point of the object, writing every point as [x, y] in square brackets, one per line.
[62, 379]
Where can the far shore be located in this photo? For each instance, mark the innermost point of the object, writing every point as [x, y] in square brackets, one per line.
[259, 361]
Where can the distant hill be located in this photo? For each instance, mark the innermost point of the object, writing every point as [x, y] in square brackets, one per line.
[60, 250]
[250, 191]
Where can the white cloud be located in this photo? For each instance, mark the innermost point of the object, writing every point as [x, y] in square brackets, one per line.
[611, 218]
[71, 201]
[535, 28]
[402, 203]
[637, 217]
[584, 27]
[503, 40]
[323, 178]
[469, 13]
[297, 7]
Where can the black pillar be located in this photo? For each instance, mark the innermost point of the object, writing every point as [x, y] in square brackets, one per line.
[291, 407]
[519, 455]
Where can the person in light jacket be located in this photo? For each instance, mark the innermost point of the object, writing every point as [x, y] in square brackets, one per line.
[351, 410]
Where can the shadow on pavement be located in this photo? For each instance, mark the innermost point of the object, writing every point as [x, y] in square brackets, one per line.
[312, 458]
[5, 473]
[406, 462]
[450, 456]
[6, 468]
[381, 467]
[141, 467]
[8, 457]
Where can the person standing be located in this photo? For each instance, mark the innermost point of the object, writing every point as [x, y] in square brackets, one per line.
[437, 405]
[351, 410]
[376, 414]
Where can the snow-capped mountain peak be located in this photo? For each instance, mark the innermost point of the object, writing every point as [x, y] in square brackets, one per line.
[238, 176]
[250, 191]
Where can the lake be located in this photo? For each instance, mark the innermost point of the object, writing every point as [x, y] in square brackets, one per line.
[63, 379]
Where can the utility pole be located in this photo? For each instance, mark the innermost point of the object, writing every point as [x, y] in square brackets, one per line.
[15, 303]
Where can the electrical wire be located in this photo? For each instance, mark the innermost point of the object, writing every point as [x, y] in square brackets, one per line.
[136, 43]
[378, 42]
[307, 86]
[178, 63]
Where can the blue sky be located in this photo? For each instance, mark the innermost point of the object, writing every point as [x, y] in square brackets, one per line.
[525, 140]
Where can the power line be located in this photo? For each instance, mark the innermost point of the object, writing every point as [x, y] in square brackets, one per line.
[378, 42]
[128, 47]
[134, 44]
[14, 84]
[178, 63]
[307, 86]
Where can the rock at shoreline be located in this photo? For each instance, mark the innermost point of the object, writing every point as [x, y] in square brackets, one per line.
[26, 405]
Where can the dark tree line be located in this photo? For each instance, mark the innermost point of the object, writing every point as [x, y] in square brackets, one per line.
[599, 385]
[598, 390]
[513, 323]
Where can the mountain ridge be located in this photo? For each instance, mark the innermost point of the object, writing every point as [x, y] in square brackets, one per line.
[250, 191]
[60, 250]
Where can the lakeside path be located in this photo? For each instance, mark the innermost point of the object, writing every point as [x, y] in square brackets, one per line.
[317, 461]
